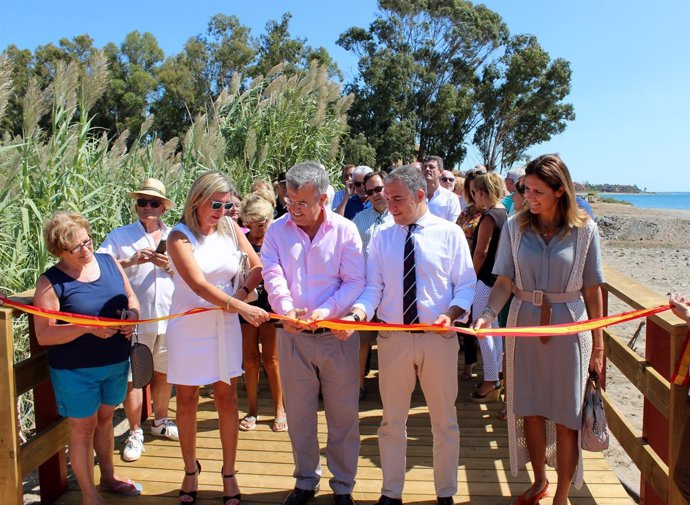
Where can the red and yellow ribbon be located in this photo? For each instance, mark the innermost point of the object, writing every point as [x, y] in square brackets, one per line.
[679, 377]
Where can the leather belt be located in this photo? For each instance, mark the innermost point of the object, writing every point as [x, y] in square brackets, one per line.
[317, 331]
[544, 300]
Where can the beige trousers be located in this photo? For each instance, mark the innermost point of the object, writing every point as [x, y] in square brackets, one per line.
[432, 357]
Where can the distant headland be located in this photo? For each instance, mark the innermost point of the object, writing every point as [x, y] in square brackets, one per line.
[585, 187]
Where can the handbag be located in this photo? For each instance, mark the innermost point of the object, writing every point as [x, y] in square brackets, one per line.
[141, 362]
[243, 269]
[594, 435]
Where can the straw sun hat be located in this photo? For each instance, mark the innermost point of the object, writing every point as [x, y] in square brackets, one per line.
[153, 187]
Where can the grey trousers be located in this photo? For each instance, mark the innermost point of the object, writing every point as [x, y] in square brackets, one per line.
[309, 363]
[432, 357]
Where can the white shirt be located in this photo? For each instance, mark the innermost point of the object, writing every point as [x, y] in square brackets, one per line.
[444, 204]
[443, 266]
[367, 222]
[152, 285]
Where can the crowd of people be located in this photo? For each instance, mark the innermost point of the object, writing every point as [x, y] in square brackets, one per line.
[415, 244]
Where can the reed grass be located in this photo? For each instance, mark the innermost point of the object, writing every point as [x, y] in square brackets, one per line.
[251, 133]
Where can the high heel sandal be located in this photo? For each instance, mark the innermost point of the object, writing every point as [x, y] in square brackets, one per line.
[191, 494]
[492, 396]
[535, 499]
[237, 496]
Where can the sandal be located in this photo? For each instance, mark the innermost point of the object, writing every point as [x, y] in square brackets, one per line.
[502, 414]
[237, 496]
[280, 424]
[190, 494]
[493, 395]
[124, 488]
[248, 423]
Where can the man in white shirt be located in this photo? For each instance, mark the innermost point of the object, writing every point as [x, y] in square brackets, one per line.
[427, 260]
[441, 202]
[139, 248]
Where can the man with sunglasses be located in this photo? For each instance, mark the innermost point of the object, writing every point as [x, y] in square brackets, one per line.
[140, 248]
[367, 222]
[441, 202]
[357, 201]
[313, 269]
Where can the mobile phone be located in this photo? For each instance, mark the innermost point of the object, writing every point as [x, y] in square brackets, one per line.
[161, 247]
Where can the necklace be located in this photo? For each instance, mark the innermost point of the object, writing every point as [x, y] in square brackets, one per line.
[550, 229]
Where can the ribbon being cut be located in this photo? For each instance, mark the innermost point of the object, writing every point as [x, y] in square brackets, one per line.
[679, 377]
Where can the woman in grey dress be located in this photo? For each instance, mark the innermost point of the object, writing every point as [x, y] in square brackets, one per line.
[549, 258]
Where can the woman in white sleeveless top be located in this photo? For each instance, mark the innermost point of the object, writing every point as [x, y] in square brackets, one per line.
[206, 348]
[549, 257]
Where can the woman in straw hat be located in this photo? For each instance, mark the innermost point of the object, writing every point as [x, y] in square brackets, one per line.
[139, 247]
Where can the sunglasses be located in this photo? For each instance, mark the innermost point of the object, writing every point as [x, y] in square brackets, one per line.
[358, 184]
[84, 245]
[226, 205]
[371, 191]
[257, 224]
[143, 202]
[448, 179]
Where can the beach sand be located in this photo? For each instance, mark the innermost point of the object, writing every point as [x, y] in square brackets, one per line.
[653, 247]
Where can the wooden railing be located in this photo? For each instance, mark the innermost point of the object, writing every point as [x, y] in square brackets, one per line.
[654, 450]
[46, 449]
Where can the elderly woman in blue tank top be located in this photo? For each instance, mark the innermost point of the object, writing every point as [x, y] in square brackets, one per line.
[88, 364]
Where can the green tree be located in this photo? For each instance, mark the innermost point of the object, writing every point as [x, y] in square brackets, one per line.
[418, 64]
[19, 63]
[521, 99]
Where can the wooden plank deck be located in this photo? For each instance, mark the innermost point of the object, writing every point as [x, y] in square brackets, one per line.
[265, 465]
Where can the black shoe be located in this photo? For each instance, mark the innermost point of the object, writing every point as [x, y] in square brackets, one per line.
[300, 496]
[385, 500]
[343, 499]
[446, 500]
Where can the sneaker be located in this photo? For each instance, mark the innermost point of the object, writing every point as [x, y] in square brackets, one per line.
[166, 428]
[134, 446]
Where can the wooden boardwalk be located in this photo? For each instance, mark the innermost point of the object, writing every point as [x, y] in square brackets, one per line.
[265, 461]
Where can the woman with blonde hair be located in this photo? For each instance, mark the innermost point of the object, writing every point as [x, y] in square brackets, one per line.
[487, 192]
[88, 364]
[549, 257]
[257, 215]
[206, 348]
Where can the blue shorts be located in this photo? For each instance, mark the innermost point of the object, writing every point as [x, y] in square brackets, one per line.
[81, 391]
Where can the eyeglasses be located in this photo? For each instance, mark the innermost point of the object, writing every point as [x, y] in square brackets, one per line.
[300, 204]
[257, 224]
[371, 191]
[143, 202]
[87, 244]
[226, 205]
[448, 179]
[358, 184]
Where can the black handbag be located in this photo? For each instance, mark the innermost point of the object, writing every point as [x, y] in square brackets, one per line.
[141, 361]
[594, 435]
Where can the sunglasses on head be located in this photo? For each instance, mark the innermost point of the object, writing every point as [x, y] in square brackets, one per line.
[448, 179]
[143, 202]
[226, 205]
[371, 191]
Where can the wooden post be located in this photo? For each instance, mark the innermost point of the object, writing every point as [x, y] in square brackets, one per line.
[11, 474]
[52, 475]
[679, 412]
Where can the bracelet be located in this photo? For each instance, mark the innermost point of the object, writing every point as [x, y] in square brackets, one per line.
[488, 310]
[594, 347]
[246, 290]
[228, 304]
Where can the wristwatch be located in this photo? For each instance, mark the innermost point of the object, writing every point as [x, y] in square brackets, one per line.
[354, 316]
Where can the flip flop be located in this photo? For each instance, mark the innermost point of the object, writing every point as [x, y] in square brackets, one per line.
[248, 423]
[124, 488]
[278, 421]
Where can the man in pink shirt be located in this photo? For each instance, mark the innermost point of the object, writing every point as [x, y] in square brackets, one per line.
[313, 269]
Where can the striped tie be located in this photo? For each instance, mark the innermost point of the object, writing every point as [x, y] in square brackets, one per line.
[410, 315]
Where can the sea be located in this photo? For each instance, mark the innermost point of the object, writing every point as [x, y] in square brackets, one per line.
[674, 200]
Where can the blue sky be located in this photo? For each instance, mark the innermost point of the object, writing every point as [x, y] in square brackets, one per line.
[630, 61]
